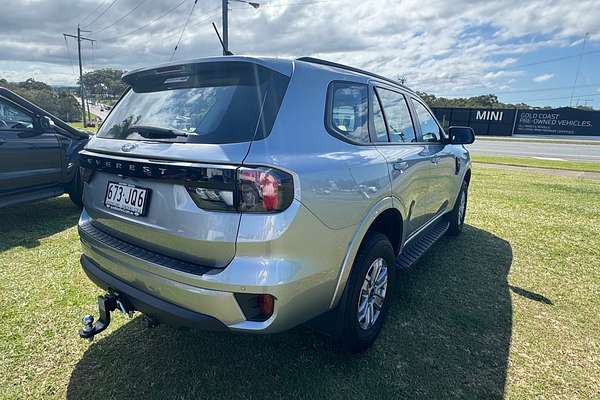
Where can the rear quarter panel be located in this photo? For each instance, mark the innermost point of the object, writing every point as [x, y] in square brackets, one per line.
[345, 186]
[338, 181]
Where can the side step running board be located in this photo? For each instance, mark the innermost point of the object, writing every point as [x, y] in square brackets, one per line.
[413, 251]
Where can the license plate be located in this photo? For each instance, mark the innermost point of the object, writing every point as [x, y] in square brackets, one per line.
[127, 198]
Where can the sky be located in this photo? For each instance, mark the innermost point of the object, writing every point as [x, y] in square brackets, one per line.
[542, 52]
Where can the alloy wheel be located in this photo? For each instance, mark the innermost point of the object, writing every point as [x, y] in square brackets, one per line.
[372, 294]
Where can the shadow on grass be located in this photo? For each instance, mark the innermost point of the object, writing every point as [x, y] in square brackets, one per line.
[531, 295]
[25, 224]
[447, 336]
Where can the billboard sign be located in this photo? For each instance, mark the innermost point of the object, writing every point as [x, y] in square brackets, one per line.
[497, 122]
[559, 121]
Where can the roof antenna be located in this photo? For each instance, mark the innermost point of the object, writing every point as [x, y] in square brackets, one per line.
[226, 52]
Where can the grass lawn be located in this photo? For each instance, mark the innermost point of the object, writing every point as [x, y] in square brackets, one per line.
[534, 162]
[509, 309]
[554, 140]
[79, 125]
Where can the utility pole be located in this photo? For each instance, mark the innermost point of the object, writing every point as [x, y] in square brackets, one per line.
[81, 88]
[225, 6]
[225, 27]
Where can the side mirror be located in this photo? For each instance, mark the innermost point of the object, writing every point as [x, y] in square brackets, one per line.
[45, 123]
[40, 125]
[461, 135]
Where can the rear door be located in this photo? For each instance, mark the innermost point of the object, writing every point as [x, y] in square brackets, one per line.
[28, 160]
[408, 161]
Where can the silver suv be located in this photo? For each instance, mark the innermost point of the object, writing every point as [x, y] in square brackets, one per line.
[255, 194]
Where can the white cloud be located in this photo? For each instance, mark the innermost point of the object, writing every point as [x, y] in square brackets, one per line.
[543, 78]
[438, 45]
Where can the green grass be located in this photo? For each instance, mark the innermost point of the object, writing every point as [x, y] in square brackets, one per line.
[108, 102]
[79, 125]
[534, 162]
[560, 140]
[509, 309]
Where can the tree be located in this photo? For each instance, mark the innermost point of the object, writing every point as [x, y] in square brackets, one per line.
[61, 104]
[483, 101]
[104, 83]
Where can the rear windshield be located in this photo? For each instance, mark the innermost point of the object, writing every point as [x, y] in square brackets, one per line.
[223, 102]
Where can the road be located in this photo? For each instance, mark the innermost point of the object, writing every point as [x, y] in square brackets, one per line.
[541, 150]
[94, 109]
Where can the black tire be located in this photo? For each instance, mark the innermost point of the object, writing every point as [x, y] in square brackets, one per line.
[76, 190]
[455, 217]
[352, 336]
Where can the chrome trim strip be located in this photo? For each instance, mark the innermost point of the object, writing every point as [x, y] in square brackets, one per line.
[157, 161]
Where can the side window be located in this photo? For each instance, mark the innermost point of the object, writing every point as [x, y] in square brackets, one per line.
[13, 118]
[349, 110]
[397, 116]
[381, 133]
[430, 130]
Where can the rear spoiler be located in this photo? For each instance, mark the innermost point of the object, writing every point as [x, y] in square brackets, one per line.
[23, 102]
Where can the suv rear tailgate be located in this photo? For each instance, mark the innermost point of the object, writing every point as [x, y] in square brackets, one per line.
[173, 224]
[178, 129]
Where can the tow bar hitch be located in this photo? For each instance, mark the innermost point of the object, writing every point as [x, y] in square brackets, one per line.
[106, 304]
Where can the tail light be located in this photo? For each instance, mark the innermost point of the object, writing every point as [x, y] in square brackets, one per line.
[264, 190]
[255, 190]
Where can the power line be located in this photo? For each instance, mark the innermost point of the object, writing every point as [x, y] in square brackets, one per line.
[69, 54]
[523, 90]
[145, 25]
[509, 67]
[206, 18]
[275, 4]
[101, 14]
[578, 67]
[122, 18]
[93, 57]
[81, 86]
[550, 60]
[563, 97]
[93, 11]
[184, 26]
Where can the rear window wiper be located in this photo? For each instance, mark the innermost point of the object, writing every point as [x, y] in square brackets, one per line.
[156, 132]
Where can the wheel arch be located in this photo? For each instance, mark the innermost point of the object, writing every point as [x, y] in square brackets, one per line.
[467, 177]
[389, 223]
[382, 218]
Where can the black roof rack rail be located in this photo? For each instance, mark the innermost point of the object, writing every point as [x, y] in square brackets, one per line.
[319, 61]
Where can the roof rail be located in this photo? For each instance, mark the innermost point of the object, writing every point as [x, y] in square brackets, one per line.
[319, 61]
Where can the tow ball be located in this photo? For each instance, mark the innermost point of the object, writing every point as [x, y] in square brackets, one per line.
[106, 304]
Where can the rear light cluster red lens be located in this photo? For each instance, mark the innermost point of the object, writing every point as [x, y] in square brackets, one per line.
[255, 190]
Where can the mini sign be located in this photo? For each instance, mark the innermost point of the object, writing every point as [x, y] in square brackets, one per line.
[489, 115]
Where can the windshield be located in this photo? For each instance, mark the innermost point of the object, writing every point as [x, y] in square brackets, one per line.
[216, 103]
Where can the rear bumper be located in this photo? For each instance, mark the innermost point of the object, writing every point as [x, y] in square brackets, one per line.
[299, 270]
[141, 301]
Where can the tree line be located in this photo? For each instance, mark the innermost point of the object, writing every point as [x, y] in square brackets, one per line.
[483, 101]
[58, 102]
[106, 85]
[101, 85]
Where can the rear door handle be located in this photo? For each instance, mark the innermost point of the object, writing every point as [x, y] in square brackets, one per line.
[435, 159]
[2, 141]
